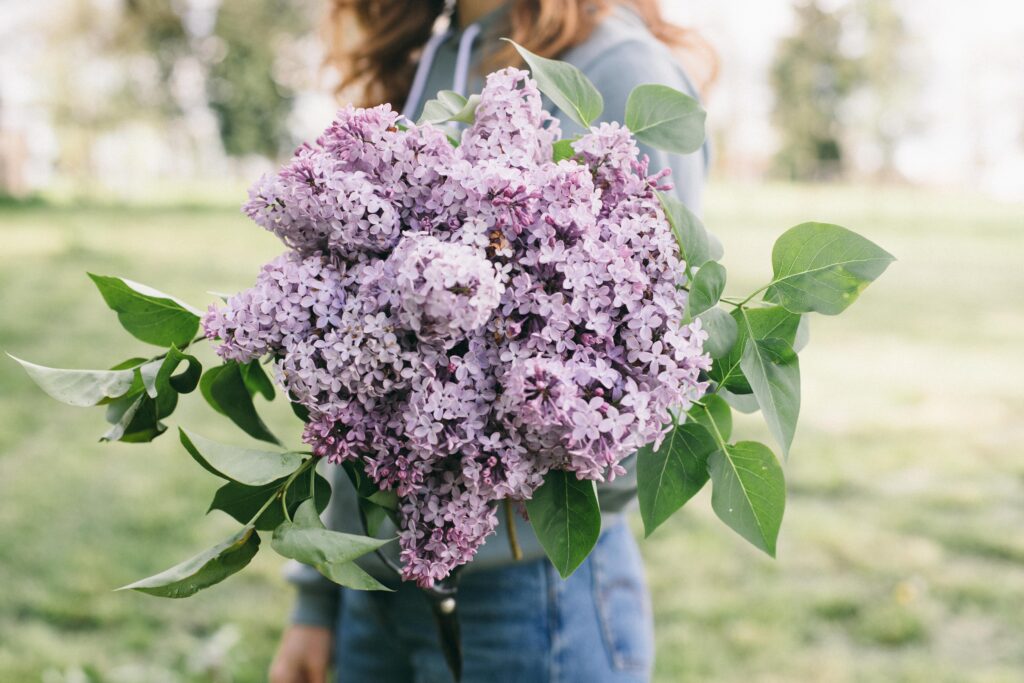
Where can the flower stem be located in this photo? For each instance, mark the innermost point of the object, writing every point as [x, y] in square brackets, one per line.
[282, 492]
[755, 293]
[513, 538]
[164, 354]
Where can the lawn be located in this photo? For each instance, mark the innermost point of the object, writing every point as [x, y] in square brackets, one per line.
[901, 556]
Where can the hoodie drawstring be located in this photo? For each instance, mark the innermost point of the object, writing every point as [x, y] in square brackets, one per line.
[466, 42]
[419, 81]
[462, 63]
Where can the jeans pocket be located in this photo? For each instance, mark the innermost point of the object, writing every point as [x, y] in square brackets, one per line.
[623, 603]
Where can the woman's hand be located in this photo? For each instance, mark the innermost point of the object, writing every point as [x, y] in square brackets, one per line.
[303, 656]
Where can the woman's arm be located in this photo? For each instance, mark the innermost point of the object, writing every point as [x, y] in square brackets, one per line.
[318, 598]
[307, 644]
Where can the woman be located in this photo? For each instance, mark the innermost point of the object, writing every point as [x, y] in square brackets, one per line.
[520, 621]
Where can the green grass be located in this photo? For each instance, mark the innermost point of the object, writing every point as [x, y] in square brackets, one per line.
[901, 556]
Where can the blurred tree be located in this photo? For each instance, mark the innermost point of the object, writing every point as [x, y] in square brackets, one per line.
[888, 81]
[246, 91]
[152, 31]
[812, 78]
[167, 63]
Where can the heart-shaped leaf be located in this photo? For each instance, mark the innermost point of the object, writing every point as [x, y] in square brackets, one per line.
[773, 371]
[562, 150]
[823, 268]
[245, 465]
[225, 390]
[242, 502]
[256, 380]
[722, 330]
[331, 552]
[665, 119]
[160, 377]
[450, 106]
[204, 570]
[706, 288]
[81, 388]
[748, 492]
[766, 323]
[566, 86]
[135, 417]
[694, 245]
[744, 403]
[715, 414]
[566, 518]
[672, 474]
[149, 315]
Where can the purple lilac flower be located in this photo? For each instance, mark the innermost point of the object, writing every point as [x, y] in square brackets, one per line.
[447, 290]
[461, 320]
[293, 298]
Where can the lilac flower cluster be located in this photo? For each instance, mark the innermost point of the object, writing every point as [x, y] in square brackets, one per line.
[460, 320]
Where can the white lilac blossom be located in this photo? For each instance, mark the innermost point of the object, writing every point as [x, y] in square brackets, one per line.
[461, 320]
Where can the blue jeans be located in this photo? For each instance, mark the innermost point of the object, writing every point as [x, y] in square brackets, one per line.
[520, 624]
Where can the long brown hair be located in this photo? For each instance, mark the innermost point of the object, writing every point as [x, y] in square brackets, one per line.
[374, 44]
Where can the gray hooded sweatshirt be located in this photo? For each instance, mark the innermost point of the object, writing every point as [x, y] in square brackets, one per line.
[619, 55]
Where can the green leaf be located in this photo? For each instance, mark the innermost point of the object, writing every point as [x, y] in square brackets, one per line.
[769, 322]
[245, 465]
[722, 331]
[562, 150]
[450, 106]
[803, 334]
[137, 384]
[224, 389]
[346, 574]
[81, 388]
[375, 505]
[306, 515]
[149, 315]
[130, 363]
[665, 119]
[159, 378]
[242, 502]
[373, 515]
[744, 403]
[300, 411]
[204, 570]
[135, 418]
[330, 552]
[565, 85]
[351, 575]
[749, 492]
[823, 268]
[566, 518]
[364, 486]
[256, 380]
[385, 499]
[672, 474]
[773, 371]
[694, 244]
[714, 414]
[706, 288]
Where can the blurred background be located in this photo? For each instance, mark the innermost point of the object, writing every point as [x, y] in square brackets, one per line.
[130, 128]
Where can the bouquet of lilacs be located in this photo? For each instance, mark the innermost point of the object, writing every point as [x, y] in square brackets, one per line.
[459, 321]
[475, 316]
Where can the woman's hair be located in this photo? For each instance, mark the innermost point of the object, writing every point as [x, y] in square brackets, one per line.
[374, 44]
